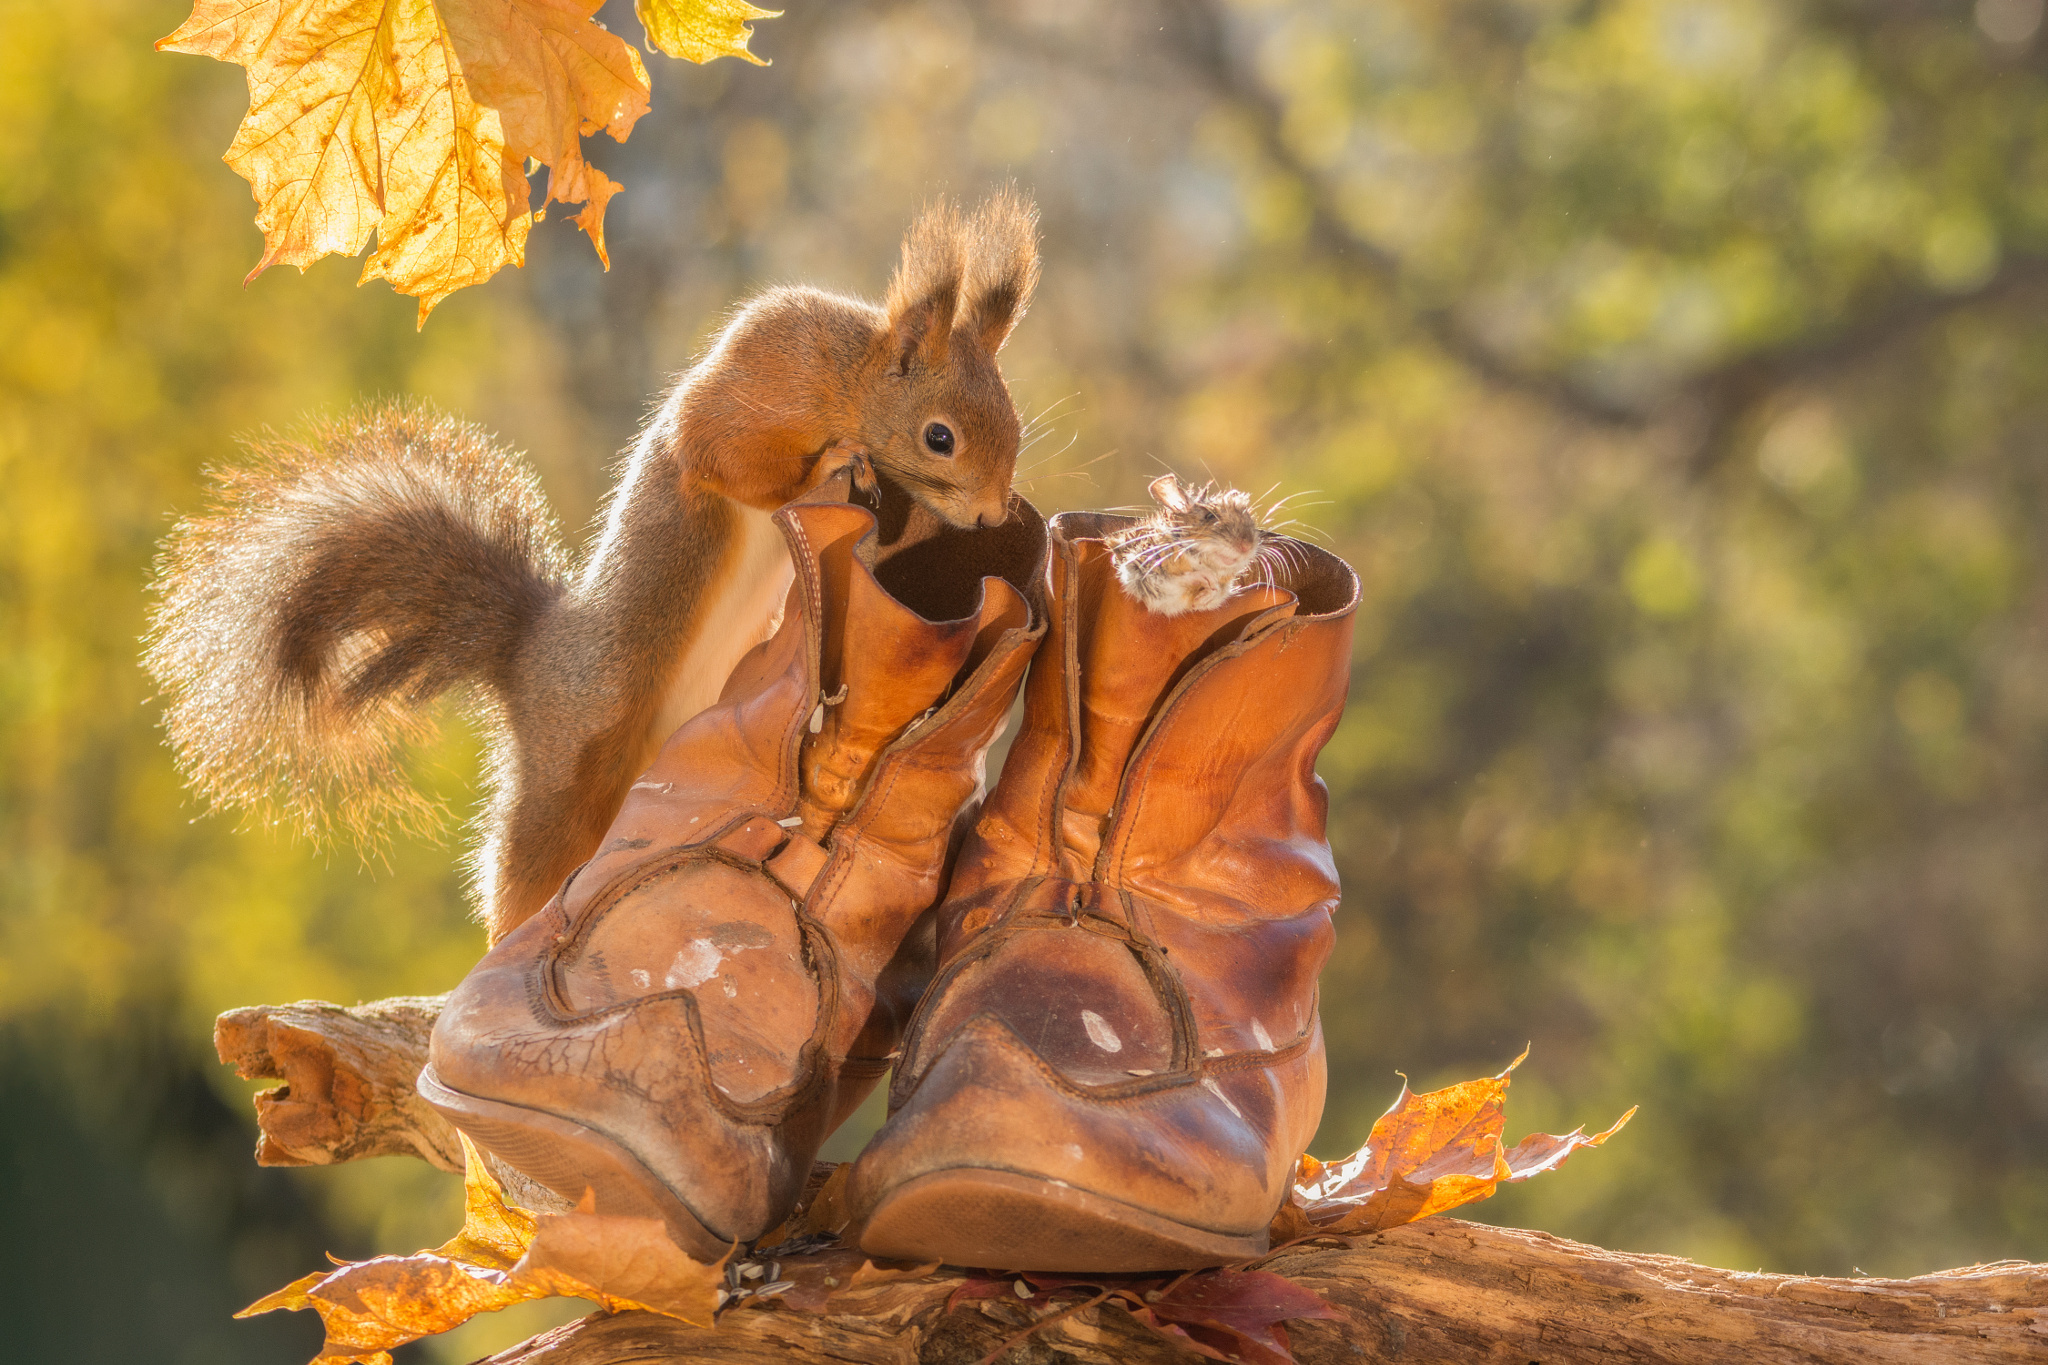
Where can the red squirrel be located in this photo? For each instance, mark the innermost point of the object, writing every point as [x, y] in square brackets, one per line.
[345, 580]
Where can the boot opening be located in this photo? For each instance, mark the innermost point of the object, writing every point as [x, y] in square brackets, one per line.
[936, 569]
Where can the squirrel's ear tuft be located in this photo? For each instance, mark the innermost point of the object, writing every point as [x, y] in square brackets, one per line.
[926, 289]
[1002, 269]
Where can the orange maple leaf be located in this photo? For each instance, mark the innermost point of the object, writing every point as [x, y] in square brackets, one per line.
[501, 1257]
[1426, 1154]
[414, 119]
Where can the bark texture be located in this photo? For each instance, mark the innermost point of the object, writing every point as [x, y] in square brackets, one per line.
[1440, 1290]
[1443, 1289]
[348, 1080]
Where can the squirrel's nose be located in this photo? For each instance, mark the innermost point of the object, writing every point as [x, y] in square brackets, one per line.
[996, 517]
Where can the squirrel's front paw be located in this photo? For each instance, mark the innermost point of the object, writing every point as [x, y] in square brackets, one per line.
[851, 455]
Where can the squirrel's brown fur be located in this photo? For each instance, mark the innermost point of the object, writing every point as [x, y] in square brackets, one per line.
[346, 579]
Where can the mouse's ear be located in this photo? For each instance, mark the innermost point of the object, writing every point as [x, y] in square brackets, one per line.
[1167, 492]
[1002, 271]
[925, 291]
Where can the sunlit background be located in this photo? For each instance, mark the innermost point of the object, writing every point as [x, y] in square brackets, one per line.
[1675, 372]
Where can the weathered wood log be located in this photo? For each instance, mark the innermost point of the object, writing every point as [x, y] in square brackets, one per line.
[348, 1086]
[348, 1080]
[1443, 1289]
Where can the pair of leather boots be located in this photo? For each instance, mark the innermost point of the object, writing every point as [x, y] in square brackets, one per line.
[1096, 990]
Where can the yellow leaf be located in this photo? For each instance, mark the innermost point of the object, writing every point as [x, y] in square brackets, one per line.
[370, 1307]
[494, 1234]
[292, 1296]
[553, 77]
[501, 1257]
[700, 30]
[414, 119]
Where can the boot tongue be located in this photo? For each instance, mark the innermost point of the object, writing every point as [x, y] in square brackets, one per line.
[883, 666]
[1129, 661]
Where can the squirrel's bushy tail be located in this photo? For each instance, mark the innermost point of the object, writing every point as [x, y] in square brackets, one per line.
[340, 582]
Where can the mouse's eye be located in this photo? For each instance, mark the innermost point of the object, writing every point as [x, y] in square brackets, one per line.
[938, 438]
[1208, 516]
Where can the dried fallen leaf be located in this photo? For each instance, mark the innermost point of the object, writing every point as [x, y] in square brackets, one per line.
[817, 1278]
[620, 1263]
[824, 1211]
[501, 1257]
[700, 30]
[886, 1271]
[494, 1234]
[370, 1307]
[292, 1296]
[1236, 1315]
[1426, 1154]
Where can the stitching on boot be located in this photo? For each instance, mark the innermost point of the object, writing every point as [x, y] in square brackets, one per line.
[789, 786]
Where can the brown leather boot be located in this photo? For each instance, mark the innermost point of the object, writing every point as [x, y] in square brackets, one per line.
[1119, 1060]
[705, 1000]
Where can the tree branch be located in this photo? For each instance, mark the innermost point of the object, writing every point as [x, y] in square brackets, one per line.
[348, 1080]
[1729, 390]
[1725, 391]
[1439, 1289]
[1204, 42]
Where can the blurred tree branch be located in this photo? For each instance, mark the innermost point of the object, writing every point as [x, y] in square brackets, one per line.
[1720, 394]
[1736, 387]
[1199, 32]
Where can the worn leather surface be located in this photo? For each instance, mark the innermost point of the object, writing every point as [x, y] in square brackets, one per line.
[1129, 950]
[724, 981]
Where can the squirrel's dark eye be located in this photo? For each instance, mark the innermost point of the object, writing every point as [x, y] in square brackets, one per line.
[938, 438]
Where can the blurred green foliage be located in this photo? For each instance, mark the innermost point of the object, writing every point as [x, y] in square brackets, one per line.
[1673, 370]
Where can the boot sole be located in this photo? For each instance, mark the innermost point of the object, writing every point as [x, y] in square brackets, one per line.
[569, 1159]
[978, 1217]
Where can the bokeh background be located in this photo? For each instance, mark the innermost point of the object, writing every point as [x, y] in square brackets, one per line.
[1674, 371]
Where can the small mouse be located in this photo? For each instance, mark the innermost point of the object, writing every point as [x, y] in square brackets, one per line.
[1194, 551]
